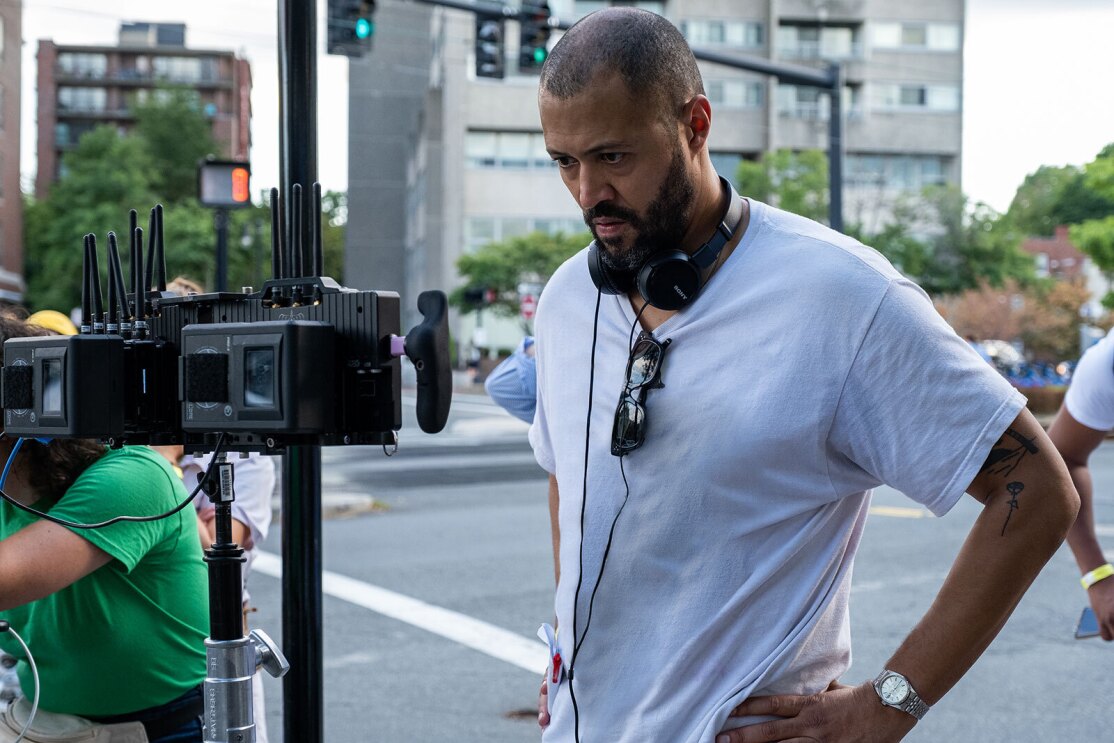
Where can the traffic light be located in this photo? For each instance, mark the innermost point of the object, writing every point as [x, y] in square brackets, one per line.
[532, 49]
[351, 26]
[489, 46]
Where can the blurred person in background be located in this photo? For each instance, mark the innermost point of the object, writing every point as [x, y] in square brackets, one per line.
[513, 384]
[1083, 421]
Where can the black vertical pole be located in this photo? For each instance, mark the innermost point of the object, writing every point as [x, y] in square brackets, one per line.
[301, 478]
[835, 149]
[220, 221]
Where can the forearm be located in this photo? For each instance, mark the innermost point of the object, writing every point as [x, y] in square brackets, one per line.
[1002, 555]
[1081, 537]
[555, 527]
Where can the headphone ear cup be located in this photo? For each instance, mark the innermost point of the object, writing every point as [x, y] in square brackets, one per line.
[669, 281]
[598, 271]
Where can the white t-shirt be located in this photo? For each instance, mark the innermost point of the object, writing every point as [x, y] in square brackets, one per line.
[806, 373]
[1090, 398]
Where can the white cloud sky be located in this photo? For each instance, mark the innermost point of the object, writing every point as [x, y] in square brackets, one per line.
[1038, 80]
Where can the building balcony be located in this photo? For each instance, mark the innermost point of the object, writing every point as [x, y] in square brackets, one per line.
[806, 51]
[138, 78]
[823, 10]
[818, 112]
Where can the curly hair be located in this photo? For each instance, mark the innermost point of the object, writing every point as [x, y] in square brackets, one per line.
[51, 469]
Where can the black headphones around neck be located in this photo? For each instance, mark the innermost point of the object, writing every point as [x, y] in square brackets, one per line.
[672, 279]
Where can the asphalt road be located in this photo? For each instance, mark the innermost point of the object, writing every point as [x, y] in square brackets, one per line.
[462, 525]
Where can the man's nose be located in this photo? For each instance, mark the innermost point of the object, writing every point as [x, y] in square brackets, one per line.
[593, 188]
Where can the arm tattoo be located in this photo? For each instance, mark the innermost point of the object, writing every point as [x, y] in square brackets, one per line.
[1014, 489]
[1006, 455]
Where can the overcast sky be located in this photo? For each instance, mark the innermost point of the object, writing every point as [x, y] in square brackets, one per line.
[1038, 88]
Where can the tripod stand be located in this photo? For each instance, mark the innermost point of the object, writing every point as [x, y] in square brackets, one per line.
[231, 657]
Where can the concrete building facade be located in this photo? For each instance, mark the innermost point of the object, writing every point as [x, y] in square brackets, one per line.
[442, 162]
[82, 87]
[11, 201]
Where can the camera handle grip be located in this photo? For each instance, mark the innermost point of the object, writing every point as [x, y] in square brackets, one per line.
[427, 345]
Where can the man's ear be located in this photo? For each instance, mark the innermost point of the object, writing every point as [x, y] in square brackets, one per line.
[697, 119]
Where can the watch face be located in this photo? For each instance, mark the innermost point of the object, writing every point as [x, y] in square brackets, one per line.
[894, 689]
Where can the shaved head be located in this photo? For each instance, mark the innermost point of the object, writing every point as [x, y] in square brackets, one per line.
[645, 50]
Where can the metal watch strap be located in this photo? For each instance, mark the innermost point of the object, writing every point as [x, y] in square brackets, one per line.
[912, 704]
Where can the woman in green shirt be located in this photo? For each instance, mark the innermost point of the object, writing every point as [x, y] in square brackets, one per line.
[116, 617]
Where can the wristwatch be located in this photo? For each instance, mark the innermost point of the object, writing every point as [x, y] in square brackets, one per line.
[895, 691]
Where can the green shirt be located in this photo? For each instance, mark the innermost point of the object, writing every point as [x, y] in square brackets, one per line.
[131, 634]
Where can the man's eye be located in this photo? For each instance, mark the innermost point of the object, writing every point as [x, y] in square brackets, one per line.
[611, 157]
[564, 162]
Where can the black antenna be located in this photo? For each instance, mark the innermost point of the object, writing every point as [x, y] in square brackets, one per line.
[112, 319]
[152, 235]
[86, 289]
[116, 276]
[137, 281]
[95, 279]
[318, 266]
[133, 225]
[160, 252]
[276, 236]
[287, 261]
[298, 247]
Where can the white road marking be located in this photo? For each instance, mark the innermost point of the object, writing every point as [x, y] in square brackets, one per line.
[526, 653]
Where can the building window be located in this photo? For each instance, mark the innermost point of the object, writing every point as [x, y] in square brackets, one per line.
[739, 34]
[735, 94]
[186, 69]
[912, 36]
[807, 102]
[913, 96]
[509, 150]
[479, 231]
[87, 65]
[808, 41]
[901, 172]
[82, 99]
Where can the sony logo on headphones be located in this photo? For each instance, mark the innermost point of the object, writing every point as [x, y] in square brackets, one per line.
[680, 293]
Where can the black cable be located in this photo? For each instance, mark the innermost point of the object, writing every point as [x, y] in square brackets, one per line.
[117, 519]
[583, 501]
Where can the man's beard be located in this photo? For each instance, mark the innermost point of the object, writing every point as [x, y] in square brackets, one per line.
[662, 229]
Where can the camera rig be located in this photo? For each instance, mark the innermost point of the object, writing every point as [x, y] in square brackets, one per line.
[303, 361]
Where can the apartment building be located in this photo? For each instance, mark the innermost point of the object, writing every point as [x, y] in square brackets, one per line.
[442, 162]
[81, 87]
[11, 202]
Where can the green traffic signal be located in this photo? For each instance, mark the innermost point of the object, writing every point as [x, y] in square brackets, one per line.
[539, 54]
[364, 28]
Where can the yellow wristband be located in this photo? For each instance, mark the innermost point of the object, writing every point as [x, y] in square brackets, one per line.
[1102, 572]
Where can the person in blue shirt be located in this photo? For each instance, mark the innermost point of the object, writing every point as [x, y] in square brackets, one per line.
[514, 383]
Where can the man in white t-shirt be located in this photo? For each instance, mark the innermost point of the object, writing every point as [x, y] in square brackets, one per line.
[1082, 423]
[720, 385]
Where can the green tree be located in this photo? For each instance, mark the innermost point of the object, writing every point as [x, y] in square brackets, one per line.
[793, 181]
[501, 266]
[1035, 209]
[106, 175]
[948, 245]
[1095, 236]
[177, 136]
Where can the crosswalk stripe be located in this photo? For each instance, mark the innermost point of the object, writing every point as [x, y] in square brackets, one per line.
[476, 634]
